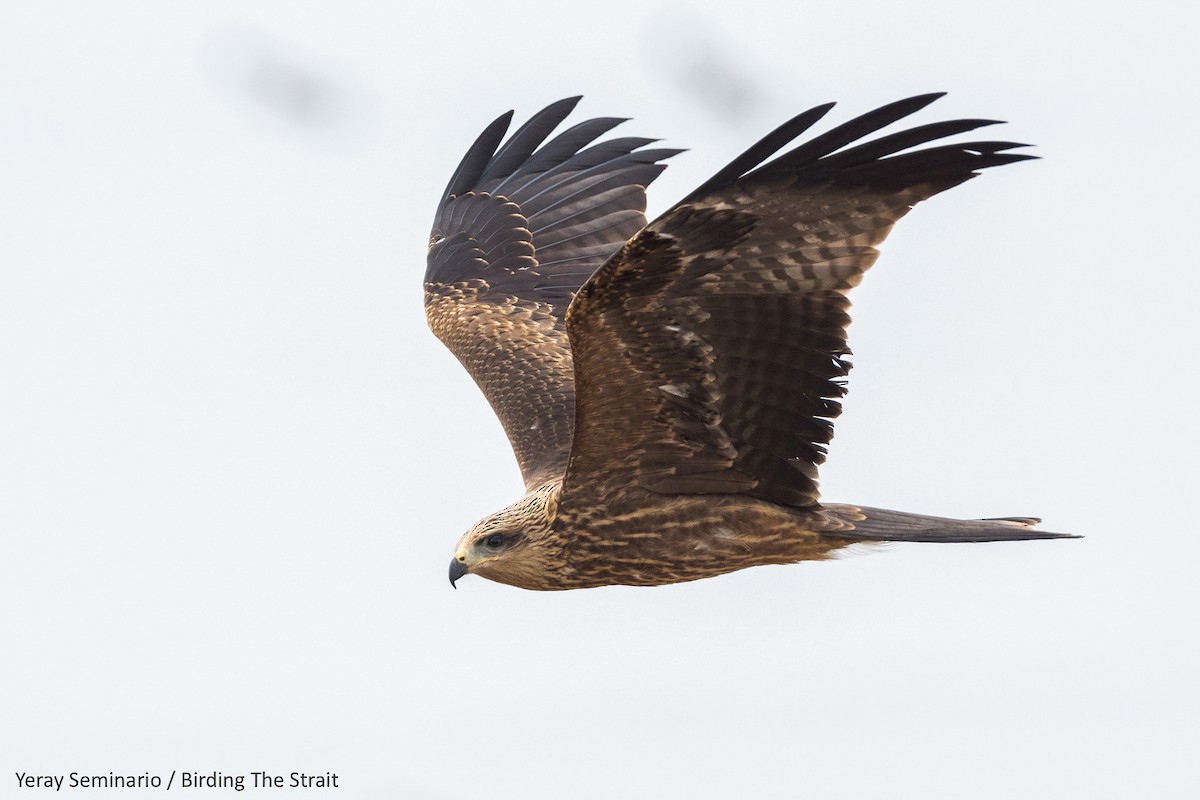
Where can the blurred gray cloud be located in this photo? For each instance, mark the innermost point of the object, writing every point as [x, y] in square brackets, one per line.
[714, 72]
[283, 82]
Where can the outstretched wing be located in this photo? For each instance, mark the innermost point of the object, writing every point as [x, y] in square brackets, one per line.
[517, 231]
[710, 351]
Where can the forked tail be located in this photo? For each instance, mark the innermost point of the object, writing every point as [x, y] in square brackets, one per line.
[882, 525]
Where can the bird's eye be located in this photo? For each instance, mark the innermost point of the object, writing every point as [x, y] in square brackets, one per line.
[494, 541]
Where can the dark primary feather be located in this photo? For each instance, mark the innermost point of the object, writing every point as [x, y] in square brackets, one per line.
[852, 131]
[470, 169]
[566, 145]
[762, 150]
[520, 146]
[519, 228]
[710, 351]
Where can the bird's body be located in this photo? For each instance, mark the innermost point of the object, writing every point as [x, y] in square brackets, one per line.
[675, 538]
[664, 539]
[669, 389]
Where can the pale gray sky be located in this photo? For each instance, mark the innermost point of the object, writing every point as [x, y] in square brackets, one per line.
[234, 462]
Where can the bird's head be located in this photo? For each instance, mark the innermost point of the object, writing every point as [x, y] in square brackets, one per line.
[516, 545]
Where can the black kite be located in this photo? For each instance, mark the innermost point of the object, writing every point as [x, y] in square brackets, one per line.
[669, 389]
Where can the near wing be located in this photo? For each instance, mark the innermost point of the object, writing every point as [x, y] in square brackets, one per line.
[517, 231]
[709, 352]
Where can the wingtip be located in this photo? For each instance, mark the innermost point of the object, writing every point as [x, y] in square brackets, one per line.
[911, 105]
[567, 103]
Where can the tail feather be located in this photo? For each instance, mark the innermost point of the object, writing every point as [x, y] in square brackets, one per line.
[882, 525]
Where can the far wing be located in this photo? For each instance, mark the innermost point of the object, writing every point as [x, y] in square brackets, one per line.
[517, 231]
[710, 351]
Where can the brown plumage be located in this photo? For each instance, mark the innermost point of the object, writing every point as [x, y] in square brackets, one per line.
[669, 389]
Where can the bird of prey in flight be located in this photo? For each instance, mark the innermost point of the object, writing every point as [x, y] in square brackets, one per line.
[669, 388]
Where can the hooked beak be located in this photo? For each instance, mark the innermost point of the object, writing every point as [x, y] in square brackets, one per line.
[458, 568]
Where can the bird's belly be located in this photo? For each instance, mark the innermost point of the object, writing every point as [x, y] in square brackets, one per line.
[692, 537]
